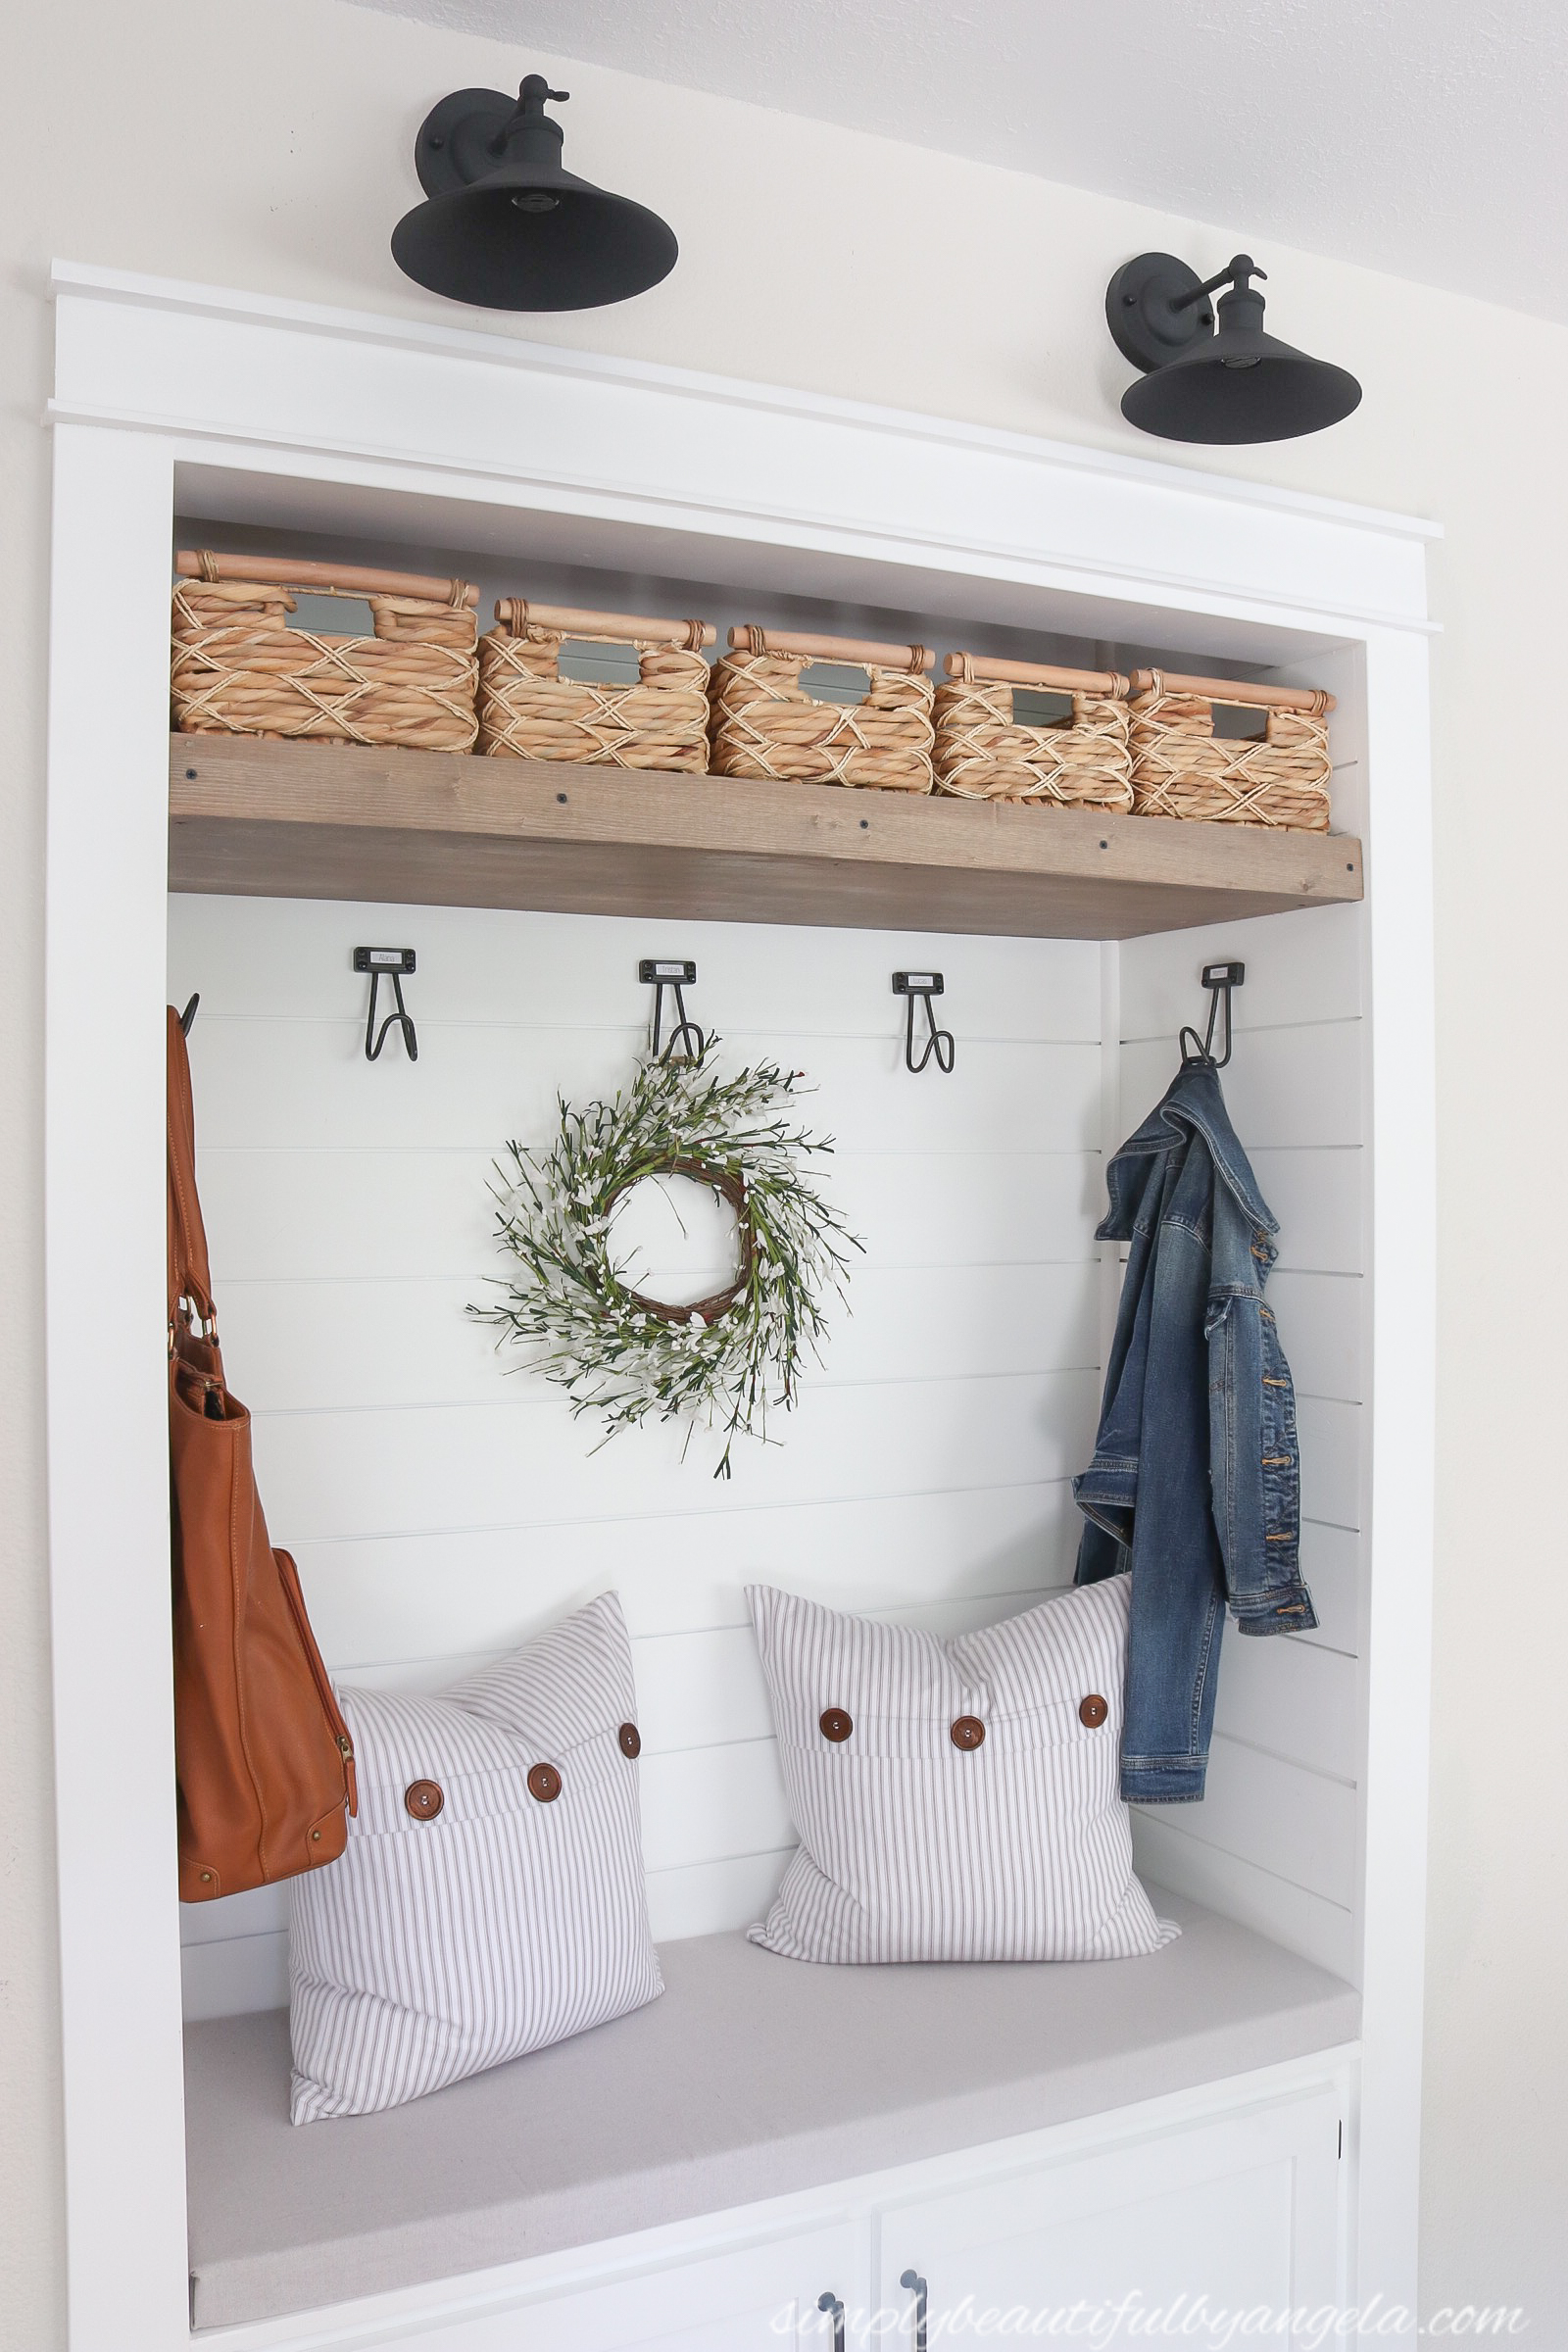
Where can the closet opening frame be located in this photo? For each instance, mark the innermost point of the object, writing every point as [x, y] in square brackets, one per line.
[154, 378]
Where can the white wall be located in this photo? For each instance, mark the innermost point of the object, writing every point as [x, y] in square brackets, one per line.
[265, 146]
[442, 1512]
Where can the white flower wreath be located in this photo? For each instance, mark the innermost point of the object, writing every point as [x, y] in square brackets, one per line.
[725, 1360]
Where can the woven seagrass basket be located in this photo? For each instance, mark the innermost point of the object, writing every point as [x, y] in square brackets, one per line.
[983, 753]
[528, 710]
[1182, 768]
[239, 669]
[765, 724]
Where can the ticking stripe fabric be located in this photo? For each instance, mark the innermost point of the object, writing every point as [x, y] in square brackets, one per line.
[472, 1917]
[971, 1809]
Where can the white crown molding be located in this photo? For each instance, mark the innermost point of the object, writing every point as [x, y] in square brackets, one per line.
[85, 279]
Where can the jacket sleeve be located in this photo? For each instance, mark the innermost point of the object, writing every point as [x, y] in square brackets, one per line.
[1255, 1453]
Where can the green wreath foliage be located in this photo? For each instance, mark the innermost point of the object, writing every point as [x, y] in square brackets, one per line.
[589, 1331]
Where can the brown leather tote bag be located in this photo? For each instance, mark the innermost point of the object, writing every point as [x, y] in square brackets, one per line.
[262, 1756]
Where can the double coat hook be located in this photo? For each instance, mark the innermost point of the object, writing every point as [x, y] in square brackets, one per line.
[938, 1042]
[1219, 979]
[391, 963]
[675, 977]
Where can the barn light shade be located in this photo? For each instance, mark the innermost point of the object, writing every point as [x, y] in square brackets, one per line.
[1223, 381]
[507, 228]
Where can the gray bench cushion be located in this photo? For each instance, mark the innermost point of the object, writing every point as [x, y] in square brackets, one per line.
[753, 2076]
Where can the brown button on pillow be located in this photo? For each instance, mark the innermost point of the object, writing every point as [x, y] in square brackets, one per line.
[491, 1896]
[976, 1813]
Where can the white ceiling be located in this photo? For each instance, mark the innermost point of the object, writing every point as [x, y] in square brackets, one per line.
[1418, 136]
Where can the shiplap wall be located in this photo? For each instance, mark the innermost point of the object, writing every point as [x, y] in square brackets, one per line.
[441, 1511]
[1277, 1838]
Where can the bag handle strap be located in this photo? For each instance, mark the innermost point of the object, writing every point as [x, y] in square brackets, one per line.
[189, 1273]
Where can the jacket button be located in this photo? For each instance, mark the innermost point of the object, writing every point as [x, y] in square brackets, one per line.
[1093, 1710]
[835, 1725]
[967, 1732]
[424, 1799]
[544, 1783]
[632, 1740]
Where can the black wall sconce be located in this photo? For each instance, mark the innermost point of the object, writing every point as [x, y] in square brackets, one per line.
[1224, 382]
[506, 227]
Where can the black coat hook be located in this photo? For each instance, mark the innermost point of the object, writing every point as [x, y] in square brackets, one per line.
[189, 1015]
[925, 986]
[1219, 979]
[393, 963]
[685, 1034]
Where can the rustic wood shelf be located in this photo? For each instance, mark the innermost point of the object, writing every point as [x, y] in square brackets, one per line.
[255, 818]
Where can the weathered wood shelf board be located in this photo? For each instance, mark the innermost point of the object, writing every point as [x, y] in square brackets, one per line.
[294, 820]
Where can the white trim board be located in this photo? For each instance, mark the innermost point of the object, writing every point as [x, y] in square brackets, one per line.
[410, 334]
[151, 378]
[654, 447]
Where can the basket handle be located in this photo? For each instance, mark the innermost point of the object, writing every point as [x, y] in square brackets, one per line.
[749, 639]
[323, 580]
[516, 614]
[1108, 685]
[1308, 698]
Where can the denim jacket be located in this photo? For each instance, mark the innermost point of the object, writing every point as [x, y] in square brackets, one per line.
[1195, 1485]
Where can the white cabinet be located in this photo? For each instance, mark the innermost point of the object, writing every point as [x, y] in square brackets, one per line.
[1230, 2215]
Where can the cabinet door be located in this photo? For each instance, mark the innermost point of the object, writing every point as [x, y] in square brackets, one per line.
[1196, 2223]
[752, 2298]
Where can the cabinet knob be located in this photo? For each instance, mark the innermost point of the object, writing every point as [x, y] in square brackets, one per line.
[829, 2301]
[917, 2289]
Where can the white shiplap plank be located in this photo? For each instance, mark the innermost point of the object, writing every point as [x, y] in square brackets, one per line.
[281, 1083]
[425, 1213]
[493, 1466]
[1318, 1200]
[1331, 1437]
[484, 963]
[1303, 1922]
[708, 1899]
[1306, 969]
[1331, 1562]
[1321, 1322]
[231, 1977]
[430, 1595]
[711, 1804]
[1291, 1699]
[1296, 1824]
[413, 1342]
[261, 1911]
[1285, 1088]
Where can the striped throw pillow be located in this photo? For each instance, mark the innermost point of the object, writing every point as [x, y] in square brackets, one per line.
[491, 1898]
[956, 1800]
